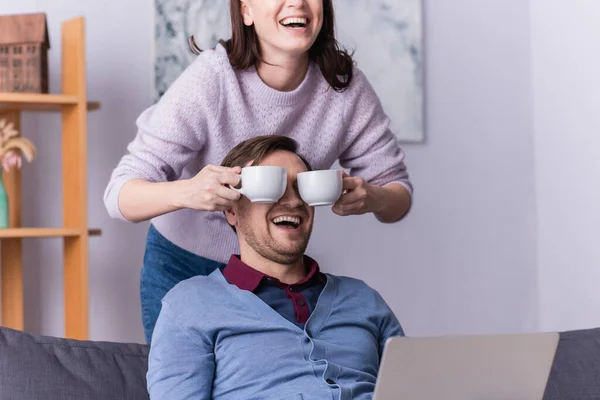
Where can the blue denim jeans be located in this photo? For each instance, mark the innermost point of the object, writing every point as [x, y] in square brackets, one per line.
[165, 265]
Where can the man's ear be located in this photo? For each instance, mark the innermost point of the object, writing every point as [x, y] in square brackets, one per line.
[231, 216]
[246, 11]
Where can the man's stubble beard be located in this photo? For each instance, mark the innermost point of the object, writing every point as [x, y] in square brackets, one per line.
[268, 248]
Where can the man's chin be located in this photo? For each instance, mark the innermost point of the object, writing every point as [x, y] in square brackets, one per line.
[284, 236]
[291, 244]
[287, 259]
[292, 253]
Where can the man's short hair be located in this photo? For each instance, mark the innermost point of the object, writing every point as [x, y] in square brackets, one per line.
[258, 148]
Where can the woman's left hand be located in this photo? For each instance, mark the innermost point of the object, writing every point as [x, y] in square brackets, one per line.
[358, 197]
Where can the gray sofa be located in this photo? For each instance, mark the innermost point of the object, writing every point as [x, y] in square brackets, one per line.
[34, 367]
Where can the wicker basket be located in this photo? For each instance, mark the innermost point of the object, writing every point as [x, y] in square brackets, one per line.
[24, 48]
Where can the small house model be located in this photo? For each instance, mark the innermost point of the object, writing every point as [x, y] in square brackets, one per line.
[24, 45]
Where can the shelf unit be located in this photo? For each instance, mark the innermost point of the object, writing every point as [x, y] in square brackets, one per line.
[40, 102]
[73, 106]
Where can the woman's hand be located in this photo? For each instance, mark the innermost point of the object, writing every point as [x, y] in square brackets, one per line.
[358, 197]
[207, 191]
[140, 200]
[389, 203]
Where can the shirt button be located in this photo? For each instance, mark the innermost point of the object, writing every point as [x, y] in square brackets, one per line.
[301, 303]
[291, 288]
[330, 381]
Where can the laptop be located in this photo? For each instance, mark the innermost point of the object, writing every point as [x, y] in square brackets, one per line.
[482, 367]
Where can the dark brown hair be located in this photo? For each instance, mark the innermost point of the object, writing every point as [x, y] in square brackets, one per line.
[257, 148]
[243, 48]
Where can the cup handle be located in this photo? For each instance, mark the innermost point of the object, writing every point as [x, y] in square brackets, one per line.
[240, 190]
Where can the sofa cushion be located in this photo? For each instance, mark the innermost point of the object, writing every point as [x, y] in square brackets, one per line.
[40, 367]
[575, 372]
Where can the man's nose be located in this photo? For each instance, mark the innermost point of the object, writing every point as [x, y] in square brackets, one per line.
[291, 198]
[295, 3]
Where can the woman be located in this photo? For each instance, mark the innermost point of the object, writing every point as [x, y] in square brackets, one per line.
[281, 73]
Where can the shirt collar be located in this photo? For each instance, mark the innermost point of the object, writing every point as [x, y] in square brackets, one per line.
[247, 278]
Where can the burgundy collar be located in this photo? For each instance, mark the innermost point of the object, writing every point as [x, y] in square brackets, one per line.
[247, 278]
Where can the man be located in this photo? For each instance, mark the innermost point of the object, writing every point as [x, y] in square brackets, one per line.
[271, 325]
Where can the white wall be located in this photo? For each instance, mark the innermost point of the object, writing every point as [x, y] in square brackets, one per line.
[566, 87]
[463, 262]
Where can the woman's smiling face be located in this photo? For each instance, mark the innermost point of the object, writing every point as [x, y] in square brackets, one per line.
[284, 27]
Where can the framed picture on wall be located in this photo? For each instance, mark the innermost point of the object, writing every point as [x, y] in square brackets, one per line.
[384, 35]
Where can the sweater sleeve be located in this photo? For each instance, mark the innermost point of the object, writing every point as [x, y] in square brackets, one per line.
[371, 150]
[171, 132]
[179, 367]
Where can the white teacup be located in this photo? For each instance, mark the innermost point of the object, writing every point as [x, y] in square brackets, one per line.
[320, 188]
[263, 183]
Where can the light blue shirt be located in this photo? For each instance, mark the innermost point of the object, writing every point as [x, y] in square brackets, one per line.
[213, 340]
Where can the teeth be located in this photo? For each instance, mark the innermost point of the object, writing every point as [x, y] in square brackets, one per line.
[293, 220]
[289, 21]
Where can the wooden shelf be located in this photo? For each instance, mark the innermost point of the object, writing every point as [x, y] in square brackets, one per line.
[72, 105]
[40, 102]
[15, 233]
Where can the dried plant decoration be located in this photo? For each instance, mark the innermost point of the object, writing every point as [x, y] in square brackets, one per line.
[13, 147]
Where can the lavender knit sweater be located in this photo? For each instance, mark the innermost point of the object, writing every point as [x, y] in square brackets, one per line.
[211, 107]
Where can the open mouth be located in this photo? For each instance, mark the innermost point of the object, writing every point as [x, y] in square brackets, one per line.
[295, 22]
[287, 222]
